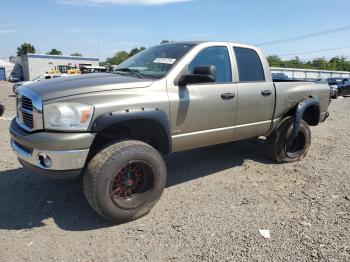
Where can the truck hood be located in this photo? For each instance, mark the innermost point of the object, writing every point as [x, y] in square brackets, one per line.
[81, 84]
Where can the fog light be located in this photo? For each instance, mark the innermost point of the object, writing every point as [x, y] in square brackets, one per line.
[45, 160]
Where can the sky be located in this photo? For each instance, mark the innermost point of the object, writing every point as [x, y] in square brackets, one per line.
[100, 28]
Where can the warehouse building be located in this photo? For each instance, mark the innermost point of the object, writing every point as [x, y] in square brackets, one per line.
[34, 65]
[6, 68]
[309, 74]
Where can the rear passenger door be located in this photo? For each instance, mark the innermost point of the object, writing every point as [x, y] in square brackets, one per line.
[256, 95]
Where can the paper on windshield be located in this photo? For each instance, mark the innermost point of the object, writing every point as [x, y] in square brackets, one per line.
[169, 61]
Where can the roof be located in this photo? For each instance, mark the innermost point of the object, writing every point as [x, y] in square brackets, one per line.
[6, 63]
[80, 58]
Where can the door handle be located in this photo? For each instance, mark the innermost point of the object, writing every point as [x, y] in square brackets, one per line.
[266, 92]
[227, 96]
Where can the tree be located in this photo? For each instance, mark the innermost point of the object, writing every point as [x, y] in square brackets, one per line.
[76, 54]
[135, 50]
[118, 58]
[54, 51]
[25, 48]
[275, 61]
[336, 63]
[165, 42]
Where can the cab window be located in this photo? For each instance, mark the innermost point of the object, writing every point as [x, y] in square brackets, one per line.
[249, 65]
[217, 56]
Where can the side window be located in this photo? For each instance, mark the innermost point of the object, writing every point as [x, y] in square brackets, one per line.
[249, 65]
[216, 56]
[56, 76]
[47, 77]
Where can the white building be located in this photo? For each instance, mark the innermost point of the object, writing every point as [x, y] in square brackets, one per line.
[6, 68]
[34, 65]
[309, 74]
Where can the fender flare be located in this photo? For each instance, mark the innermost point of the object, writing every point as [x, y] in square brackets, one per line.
[144, 113]
[302, 106]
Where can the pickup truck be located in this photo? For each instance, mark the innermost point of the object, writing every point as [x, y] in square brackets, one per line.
[115, 128]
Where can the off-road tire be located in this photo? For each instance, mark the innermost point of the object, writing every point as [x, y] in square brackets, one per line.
[281, 148]
[101, 172]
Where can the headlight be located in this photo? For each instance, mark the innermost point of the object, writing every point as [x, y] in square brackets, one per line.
[68, 116]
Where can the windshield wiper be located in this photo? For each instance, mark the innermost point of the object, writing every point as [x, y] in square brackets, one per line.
[129, 70]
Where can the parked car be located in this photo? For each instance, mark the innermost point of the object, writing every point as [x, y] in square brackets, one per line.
[115, 128]
[93, 69]
[279, 76]
[334, 83]
[344, 88]
[2, 109]
[37, 79]
[15, 79]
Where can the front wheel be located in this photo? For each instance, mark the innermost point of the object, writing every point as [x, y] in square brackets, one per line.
[283, 148]
[125, 180]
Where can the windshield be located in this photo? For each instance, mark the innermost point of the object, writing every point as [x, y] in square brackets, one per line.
[156, 61]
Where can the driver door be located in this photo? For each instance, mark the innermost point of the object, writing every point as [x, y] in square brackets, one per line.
[203, 114]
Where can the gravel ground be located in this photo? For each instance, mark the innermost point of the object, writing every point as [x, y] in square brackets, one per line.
[216, 201]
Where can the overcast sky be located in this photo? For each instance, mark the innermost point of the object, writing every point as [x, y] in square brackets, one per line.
[103, 27]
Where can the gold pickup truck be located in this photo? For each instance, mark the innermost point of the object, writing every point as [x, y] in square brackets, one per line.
[114, 128]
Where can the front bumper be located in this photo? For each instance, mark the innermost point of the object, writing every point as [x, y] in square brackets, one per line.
[334, 92]
[51, 153]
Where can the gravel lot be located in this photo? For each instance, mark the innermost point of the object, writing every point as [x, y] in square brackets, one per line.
[216, 201]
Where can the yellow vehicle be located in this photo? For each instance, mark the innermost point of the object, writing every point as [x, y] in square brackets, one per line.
[54, 72]
[73, 71]
[70, 70]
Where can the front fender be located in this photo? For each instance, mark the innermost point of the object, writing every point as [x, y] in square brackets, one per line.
[143, 113]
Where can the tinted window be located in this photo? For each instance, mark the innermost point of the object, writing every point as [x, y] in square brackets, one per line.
[156, 61]
[249, 65]
[216, 56]
[47, 77]
[56, 76]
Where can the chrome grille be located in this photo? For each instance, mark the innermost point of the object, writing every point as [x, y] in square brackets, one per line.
[29, 109]
[27, 103]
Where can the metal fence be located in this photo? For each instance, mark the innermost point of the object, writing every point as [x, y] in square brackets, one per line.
[309, 74]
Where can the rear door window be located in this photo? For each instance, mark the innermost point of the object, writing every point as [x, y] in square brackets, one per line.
[249, 65]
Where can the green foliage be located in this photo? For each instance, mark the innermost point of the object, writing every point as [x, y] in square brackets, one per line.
[336, 63]
[118, 58]
[165, 42]
[121, 56]
[54, 51]
[135, 50]
[76, 54]
[25, 48]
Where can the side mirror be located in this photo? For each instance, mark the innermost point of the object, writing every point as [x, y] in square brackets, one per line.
[201, 74]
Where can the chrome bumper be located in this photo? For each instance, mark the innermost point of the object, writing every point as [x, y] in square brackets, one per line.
[55, 160]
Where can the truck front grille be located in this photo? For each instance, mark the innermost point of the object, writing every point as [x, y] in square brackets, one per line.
[29, 110]
[27, 103]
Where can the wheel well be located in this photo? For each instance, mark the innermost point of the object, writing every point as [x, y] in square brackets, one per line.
[310, 116]
[145, 130]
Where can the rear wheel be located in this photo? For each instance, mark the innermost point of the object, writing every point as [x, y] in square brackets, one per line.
[283, 148]
[125, 180]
